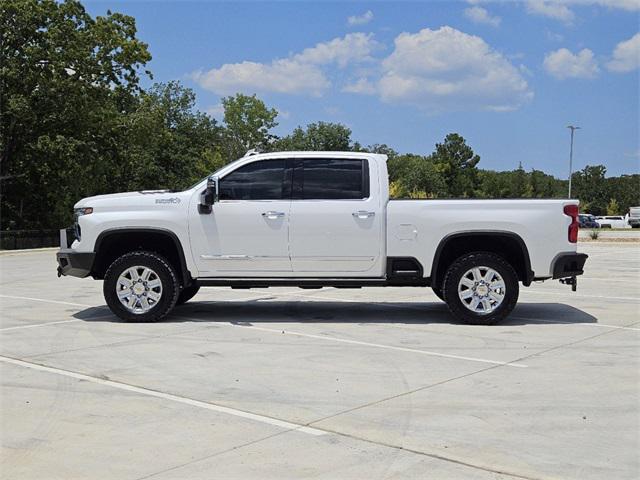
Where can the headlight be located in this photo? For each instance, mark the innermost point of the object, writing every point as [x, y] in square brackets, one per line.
[79, 212]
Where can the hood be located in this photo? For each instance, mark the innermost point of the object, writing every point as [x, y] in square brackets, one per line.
[141, 198]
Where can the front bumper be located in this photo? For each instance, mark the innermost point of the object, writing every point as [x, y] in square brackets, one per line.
[71, 262]
[74, 264]
[569, 265]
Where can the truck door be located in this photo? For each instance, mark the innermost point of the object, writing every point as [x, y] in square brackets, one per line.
[247, 232]
[336, 220]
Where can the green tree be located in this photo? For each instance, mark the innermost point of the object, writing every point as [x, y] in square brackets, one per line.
[248, 122]
[321, 136]
[520, 183]
[590, 187]
[458, 165]
[65, 81]
[544, 186]
[625, 189]
[381, 148]
[416, 176]
[612, 207]
[168, 143]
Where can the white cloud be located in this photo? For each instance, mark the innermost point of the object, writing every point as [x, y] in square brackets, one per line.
[297, 74]
[332, 110]
[280, 76]
[363, 19]
[559, 9]
[630, 5]
[554, 37]
[551, 9]
[481, 15]
[216, 111]
[626, 55]
[564, 64]
[353, 47]
[362, 85]
[433, 70]
[447, 69]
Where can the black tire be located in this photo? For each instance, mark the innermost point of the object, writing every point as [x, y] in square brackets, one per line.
[480, 259]
[187, 294]
[166, 274]
[438, 292]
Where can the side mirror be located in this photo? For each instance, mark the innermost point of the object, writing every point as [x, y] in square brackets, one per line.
[209, 196]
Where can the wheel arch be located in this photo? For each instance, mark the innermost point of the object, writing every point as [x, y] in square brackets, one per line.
[115, 242]
[508, 245]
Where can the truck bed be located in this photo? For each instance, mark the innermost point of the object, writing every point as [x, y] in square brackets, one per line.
[415, 228]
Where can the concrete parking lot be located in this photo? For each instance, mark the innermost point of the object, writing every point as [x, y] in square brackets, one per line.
[289, 383]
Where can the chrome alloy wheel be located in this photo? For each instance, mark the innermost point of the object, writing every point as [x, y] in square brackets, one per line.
[139, 289]
[481, 290]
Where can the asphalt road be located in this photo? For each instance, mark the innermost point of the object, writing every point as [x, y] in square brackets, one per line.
[287, 383]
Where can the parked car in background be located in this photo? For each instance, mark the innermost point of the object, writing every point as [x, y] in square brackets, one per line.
[586, 220]
[613, 221]
[634, 217]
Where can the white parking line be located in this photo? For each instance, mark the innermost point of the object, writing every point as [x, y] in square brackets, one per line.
[539, 292]
[610, 279]
[47, 301]
[368, 344]
[560, 322]
[167, 396]
[39, 325]
[318, 297]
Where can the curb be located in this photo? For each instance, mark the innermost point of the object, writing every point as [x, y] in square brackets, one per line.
[28, 250]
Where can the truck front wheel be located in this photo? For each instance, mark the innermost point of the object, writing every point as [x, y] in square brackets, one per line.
[438, 292]
[481, 288]
[141, 287]
[187, 294]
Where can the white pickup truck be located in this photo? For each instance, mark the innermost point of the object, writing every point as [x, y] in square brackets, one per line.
[311, 220]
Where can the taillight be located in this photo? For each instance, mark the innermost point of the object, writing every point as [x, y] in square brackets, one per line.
[572, 211]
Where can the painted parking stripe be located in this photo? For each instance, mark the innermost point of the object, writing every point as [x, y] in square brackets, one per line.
[322, 337]
[48, 301]
[572, 295]
[167, 396]
[560, 322]
[369, 344]
[19, 327]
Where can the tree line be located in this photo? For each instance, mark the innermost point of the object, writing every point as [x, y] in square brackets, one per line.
[75, 122]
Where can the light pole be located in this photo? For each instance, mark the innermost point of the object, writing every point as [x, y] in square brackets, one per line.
[573, 129]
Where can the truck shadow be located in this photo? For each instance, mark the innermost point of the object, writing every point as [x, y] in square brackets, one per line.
[317, 311]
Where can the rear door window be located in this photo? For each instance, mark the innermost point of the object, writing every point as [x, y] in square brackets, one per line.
[331, 179]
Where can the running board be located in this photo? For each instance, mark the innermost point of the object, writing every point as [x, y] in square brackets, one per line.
[308, 282]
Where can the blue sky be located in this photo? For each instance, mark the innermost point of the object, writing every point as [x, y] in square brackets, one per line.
[508, 76]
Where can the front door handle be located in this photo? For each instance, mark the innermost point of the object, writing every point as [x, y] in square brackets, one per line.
[272, 215]
[363, 214]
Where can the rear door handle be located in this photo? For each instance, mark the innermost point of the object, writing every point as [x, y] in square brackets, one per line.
[272, 215]
[363, 214]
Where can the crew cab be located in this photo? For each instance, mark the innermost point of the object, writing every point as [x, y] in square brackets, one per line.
[311, 220]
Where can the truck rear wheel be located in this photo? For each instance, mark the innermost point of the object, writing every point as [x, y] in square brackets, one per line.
[141, 287]
[481, 288]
